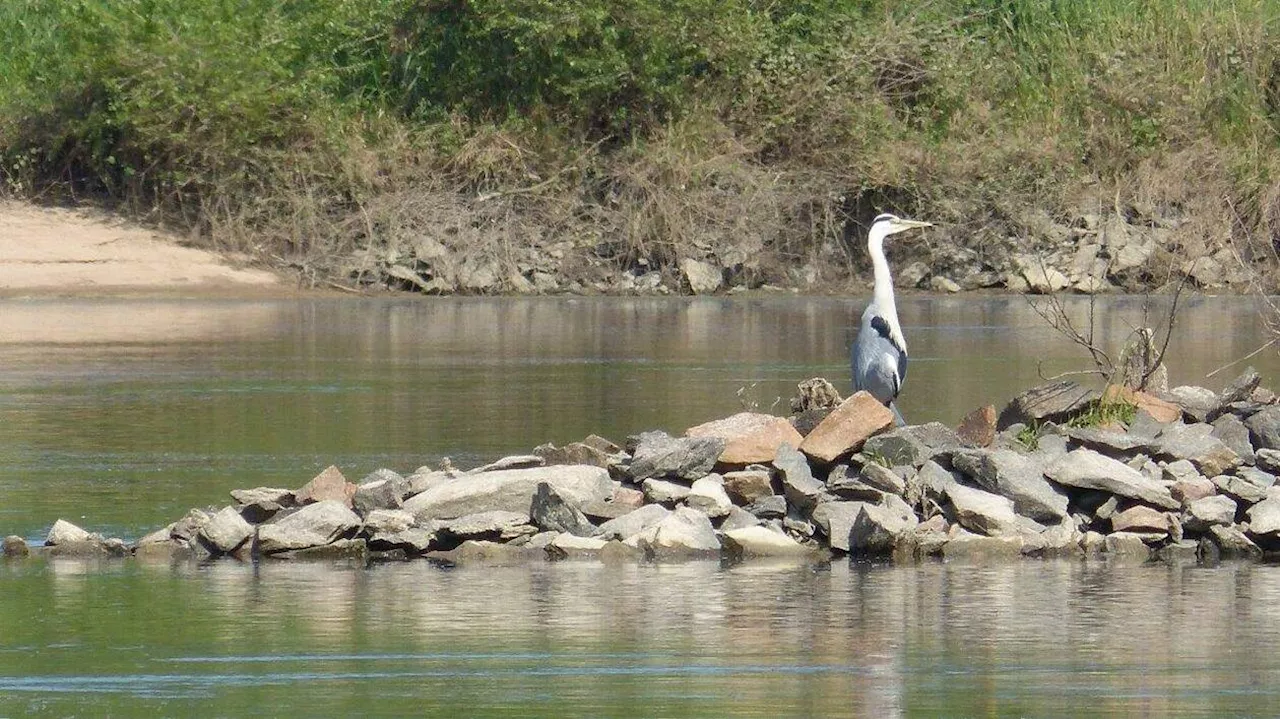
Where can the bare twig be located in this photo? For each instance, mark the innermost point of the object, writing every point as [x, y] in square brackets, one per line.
[1254, 353]
[1060, 375]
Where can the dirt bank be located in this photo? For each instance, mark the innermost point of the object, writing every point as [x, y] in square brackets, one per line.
[63, 252]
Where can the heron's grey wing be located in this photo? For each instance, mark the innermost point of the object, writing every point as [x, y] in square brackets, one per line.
[881, 326]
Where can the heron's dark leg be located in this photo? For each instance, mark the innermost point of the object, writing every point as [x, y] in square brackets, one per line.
[897, 416]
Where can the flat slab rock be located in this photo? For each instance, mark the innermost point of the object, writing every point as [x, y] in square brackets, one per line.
[1086, 469]
[983, 512]
[226, 531]
[1049, 402]
[659, 455]
[510, 490]
[761, 541]
[684, 532]
[846, 428]
[312, 526]
[1017, 477]
[750, 437]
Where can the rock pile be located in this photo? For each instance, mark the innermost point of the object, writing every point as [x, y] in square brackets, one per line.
[1062, 471]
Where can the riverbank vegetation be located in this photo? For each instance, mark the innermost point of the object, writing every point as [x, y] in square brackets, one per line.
[530, 145]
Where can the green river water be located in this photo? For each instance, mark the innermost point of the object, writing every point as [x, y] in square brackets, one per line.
[120, 415]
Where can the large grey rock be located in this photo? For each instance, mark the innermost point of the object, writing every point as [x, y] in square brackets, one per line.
[1196, 443]
[1131, 545]
[662, 491]
[836, 521]
[659, 455]
[510, 490]
[551, 512]
[64, 532]
[967, 546]
[388, 520]
[936, 437]
[185, 529]
[275, 496]
[1240, 389]
[1059, 540]
[493, 525]
[683, 532]
[773, 506]
[576, 453]
[1109, 441]
[1264, 428]
[394, 529]
[1232, 432]
[879, 477]
[1268, 460]
[1086, 469]
[897, 447]
[383, 489]
[565, 546]
[798, 483]
[1249, 486]
[707, 495]
[226, 531]
[1049, 402]
[759, 541]
[983, 512]
[1205, 512]
[314, 525]
[738, 518]
[15, 546]
[518, 461]
[425, 478]
[1141, 518]
[1231, 542]
[1264, 518]
[1196, 402]
[1017, 477]
[703, 278]
[846, 483]
[634, 522]
[876, 529]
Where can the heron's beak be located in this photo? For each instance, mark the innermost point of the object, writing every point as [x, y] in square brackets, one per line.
[912, 224]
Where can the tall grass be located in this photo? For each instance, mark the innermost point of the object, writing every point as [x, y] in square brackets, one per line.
[292, 128]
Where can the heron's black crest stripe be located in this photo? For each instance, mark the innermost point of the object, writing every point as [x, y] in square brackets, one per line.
[883, 216]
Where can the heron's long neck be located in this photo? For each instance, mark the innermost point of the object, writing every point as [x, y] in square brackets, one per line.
[884, 281]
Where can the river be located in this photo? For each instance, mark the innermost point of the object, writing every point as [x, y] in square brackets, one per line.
[119, 415]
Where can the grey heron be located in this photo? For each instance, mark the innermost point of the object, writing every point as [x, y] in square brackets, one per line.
[879, 356]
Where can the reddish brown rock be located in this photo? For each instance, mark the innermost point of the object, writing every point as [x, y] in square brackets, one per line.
[1160, 410]
[846, 428]
[978, 428]
[747, 486]
[329, 484]
[750, 437]
[627, 497]
[1189, 489]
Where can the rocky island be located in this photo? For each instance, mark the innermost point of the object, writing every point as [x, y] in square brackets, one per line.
[1061, 471]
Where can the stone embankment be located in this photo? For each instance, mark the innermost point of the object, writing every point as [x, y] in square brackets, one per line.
[1086, 252]
[1061, 471]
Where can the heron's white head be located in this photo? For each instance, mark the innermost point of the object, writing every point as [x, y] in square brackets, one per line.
[886, 224]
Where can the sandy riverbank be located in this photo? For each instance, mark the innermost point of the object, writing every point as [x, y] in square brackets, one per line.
[64, 252]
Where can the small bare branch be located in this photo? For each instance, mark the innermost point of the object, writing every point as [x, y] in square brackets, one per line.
[1252, 354]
